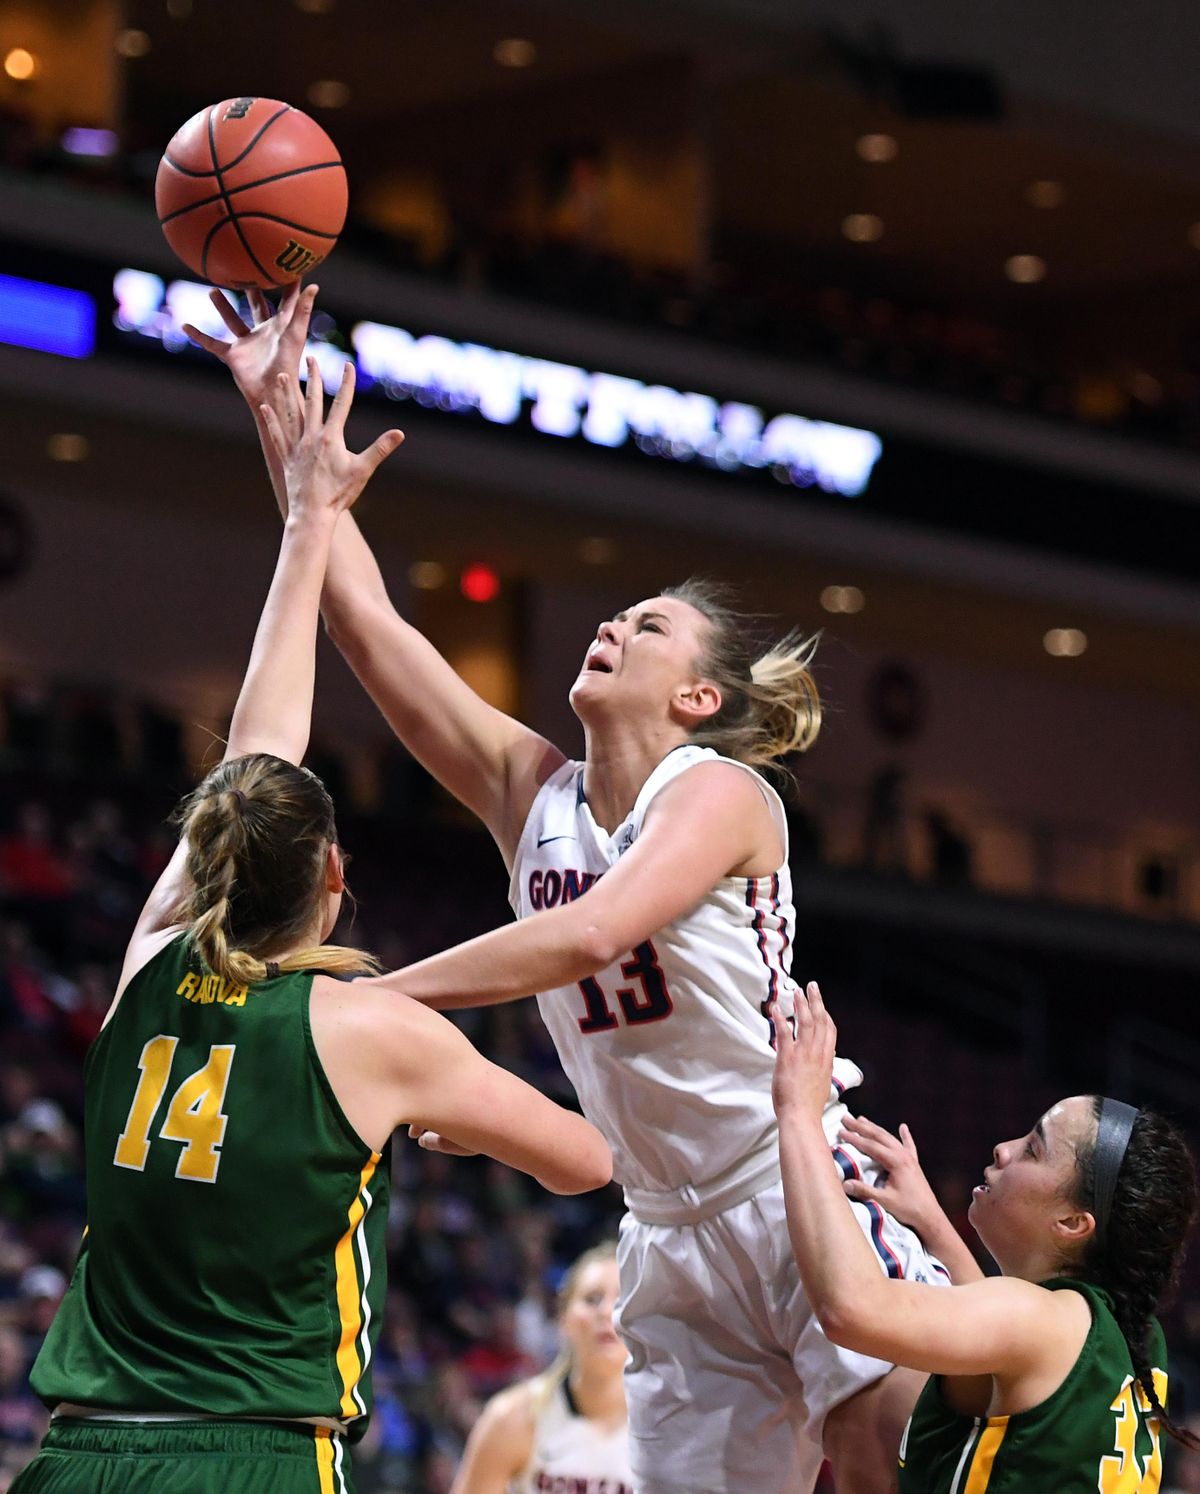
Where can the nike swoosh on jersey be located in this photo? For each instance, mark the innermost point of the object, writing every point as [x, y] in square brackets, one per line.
[547, 839]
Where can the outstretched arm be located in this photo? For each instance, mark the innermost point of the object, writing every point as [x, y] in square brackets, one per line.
[490, 762]
[698, 828]
[274, 707]
[998, 1326]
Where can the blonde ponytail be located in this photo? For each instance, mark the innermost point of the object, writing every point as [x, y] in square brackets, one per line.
[770, 705]
[258, 830]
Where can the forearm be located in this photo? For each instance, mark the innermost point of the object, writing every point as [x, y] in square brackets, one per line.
[538, 954]
[274, 709]
[942, 1240]
[841, 1275]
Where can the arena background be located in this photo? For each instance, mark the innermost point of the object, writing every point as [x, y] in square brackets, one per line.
[888, 318]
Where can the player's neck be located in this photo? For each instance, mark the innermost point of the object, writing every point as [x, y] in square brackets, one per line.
[618, 761]
[599, 1394]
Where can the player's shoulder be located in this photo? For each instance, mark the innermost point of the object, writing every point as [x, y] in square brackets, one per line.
[701, 776]
[374, 1015]
[513, 1412]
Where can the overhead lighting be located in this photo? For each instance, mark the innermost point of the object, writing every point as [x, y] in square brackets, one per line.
[427, 575]
[514, 51]
[20, 64]
[67, 447]
[132, 43]
[876, 148]
[1065, 643]
[843, 599]
[1025, 269]
[597, 551]
[328, 93]
[862, 228]
[1044, 194]
[479, 583]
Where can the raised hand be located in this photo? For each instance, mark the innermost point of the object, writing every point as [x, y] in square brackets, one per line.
[320, 473]
[273, 346]
[804, 1050]
[904, 1190]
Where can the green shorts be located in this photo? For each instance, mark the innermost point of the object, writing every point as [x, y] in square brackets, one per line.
[93, 1456]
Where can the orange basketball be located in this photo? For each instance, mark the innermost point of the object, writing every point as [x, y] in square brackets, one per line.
[251, 192]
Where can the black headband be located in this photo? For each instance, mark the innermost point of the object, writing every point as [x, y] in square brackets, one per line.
[1112, 1138]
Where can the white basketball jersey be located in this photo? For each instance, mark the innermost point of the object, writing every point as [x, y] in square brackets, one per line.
[572, 1455]
[670, 1048]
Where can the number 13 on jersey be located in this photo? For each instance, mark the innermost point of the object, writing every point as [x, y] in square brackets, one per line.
[194, 1116]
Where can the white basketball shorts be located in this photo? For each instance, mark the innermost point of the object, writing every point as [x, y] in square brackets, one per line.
[730, 1375]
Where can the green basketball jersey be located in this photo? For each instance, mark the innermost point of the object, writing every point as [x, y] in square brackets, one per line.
[234, 1258]
[1094, 1435]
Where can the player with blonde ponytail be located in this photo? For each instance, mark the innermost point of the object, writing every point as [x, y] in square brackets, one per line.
[652, 889]
[566, 1428]
[218, 1332]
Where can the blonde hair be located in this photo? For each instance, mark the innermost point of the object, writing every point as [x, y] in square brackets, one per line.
[258, 830]
[770, 705]
[545, 1384]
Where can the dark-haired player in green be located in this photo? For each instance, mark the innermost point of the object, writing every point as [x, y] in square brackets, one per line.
[1050, 1379]
[218, 1332]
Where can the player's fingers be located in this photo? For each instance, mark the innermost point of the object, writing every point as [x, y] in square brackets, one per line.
[783, 1028]
[312, 396]
[228, 313]
[819, 1010]
[259, 305]
[299, 314]
[868, 1129]
[907, 1142]
[857, 1188]
[290, 398]
[202, 339]
[803, 1012]
[274, 430]
[335, 422]
[380, 449]
[879, 1150]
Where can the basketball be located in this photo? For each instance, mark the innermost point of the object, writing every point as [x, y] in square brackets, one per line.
[251, 192]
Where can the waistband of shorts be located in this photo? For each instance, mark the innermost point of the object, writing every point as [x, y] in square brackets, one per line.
[173, 1418]
[693, 1203]
[749, 1176]
[193, 1437]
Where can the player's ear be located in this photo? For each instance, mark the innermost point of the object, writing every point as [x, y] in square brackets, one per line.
[696, 703]
[335, 868]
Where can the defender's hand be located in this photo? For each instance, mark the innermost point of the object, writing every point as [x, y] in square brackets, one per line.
[322, 476]
[905, 1190]
[803, 1056]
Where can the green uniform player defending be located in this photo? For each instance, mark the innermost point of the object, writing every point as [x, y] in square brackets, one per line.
[219, 1328]
[1049, 1379]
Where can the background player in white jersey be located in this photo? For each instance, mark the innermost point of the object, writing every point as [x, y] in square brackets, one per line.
[654, 986]
[566, 1429]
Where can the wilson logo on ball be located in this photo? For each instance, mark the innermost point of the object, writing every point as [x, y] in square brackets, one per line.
[296, 259]
[238, 109]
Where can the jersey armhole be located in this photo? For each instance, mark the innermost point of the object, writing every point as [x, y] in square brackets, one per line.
[561, 776]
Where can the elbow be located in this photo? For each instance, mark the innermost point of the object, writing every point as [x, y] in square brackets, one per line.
[596, 948]
[844, 1324]
[591, 1170]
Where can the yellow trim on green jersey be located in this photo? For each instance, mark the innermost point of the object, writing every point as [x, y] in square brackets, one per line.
[350, 1297]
